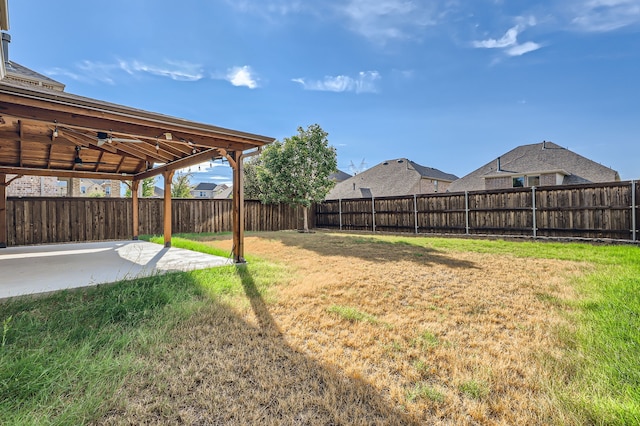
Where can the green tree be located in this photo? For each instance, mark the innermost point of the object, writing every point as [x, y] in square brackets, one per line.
[296, 171]
[251, 185]
[181, 185]
[148, 185]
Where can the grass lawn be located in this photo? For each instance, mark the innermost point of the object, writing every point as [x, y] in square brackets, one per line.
[338, 329]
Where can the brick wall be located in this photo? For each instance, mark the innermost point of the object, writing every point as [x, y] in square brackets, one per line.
[498, 183]
[33, 186]
[432, 186]
[548, 179]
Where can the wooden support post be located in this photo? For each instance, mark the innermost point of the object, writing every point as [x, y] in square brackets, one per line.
[168, 177]
[135, 209]
[238, 206]
[3, 211]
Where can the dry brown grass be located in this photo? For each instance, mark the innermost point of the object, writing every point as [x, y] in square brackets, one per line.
[457, 338]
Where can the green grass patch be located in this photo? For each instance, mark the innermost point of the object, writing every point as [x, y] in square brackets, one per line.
[426, 340]
[63, 356]
[425, 391]
[352, 314]
[474, 389]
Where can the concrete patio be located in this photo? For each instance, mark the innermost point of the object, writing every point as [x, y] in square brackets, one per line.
[45, 268]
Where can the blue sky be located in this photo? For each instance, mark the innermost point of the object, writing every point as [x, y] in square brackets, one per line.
[448, 84]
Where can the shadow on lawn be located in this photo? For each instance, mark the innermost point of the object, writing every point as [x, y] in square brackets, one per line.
[368, 248]
[224, 369]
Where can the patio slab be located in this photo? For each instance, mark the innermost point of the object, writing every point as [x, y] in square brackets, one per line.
[41, 269]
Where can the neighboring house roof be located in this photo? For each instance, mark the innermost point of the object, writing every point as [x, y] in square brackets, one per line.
[539, 158]
[206, 186]
[23, 74]
[224, 193]
[339, 176]
[389, 178]
[94, 181]
[158, 192]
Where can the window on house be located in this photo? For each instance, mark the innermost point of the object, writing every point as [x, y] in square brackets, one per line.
[435, 185]
[107, 191]
[83, 189]
[533, 181]
[518, 182]
[203, 194]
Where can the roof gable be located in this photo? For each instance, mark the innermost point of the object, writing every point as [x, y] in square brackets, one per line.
[544, 157]
[389, 178]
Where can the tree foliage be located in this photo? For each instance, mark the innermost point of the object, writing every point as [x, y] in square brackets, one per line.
[181, 185]
[251, 185]
[148, 186]
[296, 171]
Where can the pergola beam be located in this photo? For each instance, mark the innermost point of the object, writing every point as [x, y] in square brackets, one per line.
[135, 208]
[3, 210]
[238, 206]
[168, 177]
[191, 160]
[29, 171]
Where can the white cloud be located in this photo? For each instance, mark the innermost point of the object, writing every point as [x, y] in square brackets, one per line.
[267, 7]
[242, 76]
[377, 20]
[365, 82]
[509, 41]
[509, 38]
[87, 72]
[521, 49]
[606, 15]
[383, 20]
[179, 71]
[91, 72]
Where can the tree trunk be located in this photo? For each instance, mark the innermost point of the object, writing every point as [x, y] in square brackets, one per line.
[306, 222]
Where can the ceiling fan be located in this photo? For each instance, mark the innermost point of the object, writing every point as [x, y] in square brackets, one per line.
[104, 137]
[77, 160]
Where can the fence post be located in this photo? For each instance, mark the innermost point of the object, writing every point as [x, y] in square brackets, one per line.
[415, 212]
[533, 197]
[373, 213]
[466, 211]
[634, 211]
[340, 211]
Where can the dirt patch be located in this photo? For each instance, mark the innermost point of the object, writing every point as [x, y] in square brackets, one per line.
[451, 338]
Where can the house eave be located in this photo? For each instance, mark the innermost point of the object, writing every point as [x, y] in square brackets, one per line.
[527, 173]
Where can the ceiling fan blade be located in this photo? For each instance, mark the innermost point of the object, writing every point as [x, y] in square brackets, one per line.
[126, 140]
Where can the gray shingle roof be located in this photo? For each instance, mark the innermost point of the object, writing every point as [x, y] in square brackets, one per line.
[536, 159]
[17, 71]
[339, 176]
[205, 186]
[389, 178]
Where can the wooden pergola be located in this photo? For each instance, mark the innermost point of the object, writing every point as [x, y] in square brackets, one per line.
[52, 133]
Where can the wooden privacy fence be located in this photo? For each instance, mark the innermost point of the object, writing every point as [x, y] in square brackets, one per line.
[54, 219]
[594, 211]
